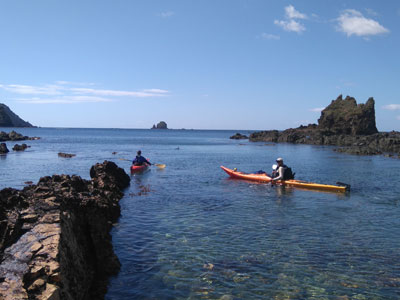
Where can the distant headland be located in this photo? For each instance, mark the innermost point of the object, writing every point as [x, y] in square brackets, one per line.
[160, 125]
[343, 123]
[10, 119]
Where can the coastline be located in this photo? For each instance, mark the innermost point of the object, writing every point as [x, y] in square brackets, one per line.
[56, 242]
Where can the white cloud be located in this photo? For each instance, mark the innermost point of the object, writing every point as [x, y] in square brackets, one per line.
[68, 92]
[292, 13]
[268, 36]
[166, 14]
[32, 90]
[392, 107]
[317, 109]
[352, 22]
[156, 91]
[64, 100]
[116, 93]
[290, 23]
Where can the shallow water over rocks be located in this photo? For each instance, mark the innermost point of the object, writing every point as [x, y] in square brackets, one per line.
[189, 232]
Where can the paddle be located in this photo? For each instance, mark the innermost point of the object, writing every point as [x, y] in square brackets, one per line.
[346, 185]
[161, 166]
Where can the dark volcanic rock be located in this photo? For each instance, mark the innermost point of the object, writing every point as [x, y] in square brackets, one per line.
[10, 119]
[344, 116]
[66, 155]
[161, 125]
[55, 238]
[12, 136]
[239, 136]
[20, 147]
[3, 148]
[343, 123]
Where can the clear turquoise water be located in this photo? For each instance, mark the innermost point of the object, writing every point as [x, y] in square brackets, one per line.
[189, 232]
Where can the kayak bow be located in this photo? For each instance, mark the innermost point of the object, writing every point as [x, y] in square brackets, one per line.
[295, 183]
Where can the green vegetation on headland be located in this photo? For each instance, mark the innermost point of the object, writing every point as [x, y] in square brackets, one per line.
[10, 119]
[343, 123]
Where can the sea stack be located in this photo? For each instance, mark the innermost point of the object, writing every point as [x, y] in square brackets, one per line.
[345, 116]
[343, 123]
[160, 125]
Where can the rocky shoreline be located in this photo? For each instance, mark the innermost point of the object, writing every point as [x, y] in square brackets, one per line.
[344, 124]
[55, 240]
[14, 136]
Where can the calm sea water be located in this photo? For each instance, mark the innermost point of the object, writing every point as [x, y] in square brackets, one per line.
[189, 232]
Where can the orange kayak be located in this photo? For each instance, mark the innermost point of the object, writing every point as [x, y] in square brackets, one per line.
[292, 182]
[136, 169]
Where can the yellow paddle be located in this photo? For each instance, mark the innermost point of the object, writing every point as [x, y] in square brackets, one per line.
[161, 166]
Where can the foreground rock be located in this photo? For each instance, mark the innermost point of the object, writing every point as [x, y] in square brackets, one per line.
[3, 148]
[55, 238]
[239, 136]
[343, 123]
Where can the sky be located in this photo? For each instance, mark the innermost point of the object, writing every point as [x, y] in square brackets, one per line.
[205, 64]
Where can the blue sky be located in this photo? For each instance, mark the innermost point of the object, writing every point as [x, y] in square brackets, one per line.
[226, 64]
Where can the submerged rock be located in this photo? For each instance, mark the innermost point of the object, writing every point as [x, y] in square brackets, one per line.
[55, 241]
[66, 155]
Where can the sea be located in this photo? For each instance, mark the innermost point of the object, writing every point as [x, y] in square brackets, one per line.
[189, 232]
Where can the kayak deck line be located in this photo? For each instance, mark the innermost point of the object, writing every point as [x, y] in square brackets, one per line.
[293, 182]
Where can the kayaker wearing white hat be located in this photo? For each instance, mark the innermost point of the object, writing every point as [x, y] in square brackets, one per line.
[281, 171]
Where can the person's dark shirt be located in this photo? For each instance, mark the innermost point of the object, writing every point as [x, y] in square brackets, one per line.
[140, 160]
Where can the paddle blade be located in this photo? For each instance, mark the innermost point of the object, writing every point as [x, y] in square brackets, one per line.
[161, 166]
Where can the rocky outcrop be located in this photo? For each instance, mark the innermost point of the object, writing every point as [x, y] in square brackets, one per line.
[343, 123]
[12, 136]
[55, 238]
[15, 136]
[239, 136]
[10, 119]
[18, 147]
[344, 116]
[66, 155]
[161, 125]
[3, 148]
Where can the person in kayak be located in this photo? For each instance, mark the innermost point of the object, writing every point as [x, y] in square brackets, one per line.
[282, 171]
[140, 160]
